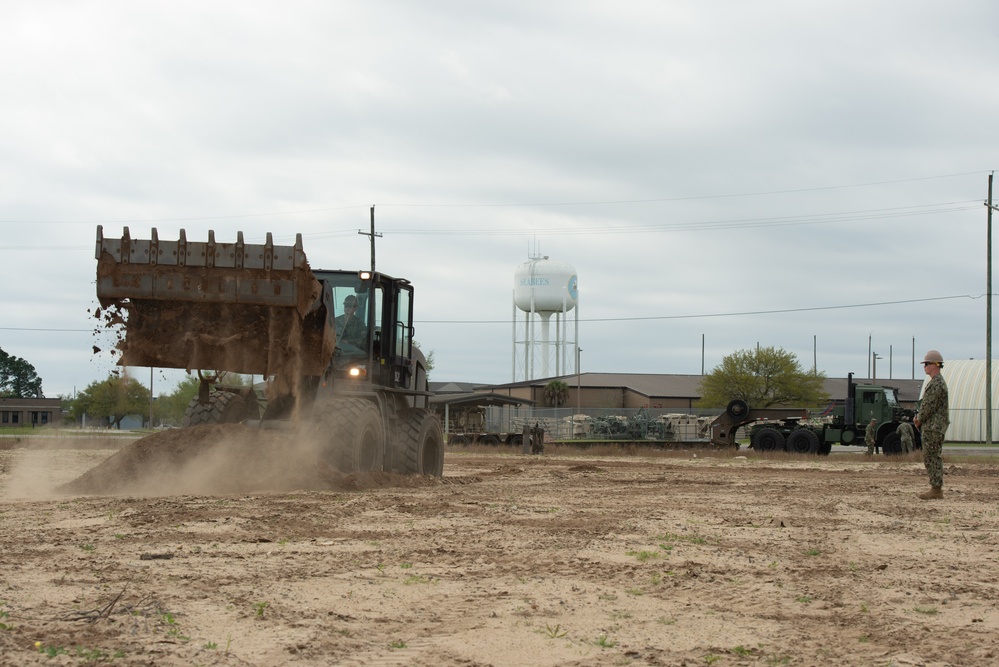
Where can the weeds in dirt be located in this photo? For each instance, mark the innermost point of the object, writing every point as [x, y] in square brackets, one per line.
[779, 660]
[260, 607]
[711, 658]
[555, 633]
[929, 611]
[406, 566]
[211, 646]
[804, 599]
[740, 650]
[813, 552]
[3, 624]
[397, 644]
[670, 538]
[635, 592]
[663, 620]
[643, 556]
[415, 579]
[88, 547]
[603, 642]
[50, 651]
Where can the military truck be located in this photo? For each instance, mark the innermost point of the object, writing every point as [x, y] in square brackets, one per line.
[844, 424]
[259, 309]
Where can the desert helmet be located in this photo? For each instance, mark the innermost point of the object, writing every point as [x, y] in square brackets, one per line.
[933, 357]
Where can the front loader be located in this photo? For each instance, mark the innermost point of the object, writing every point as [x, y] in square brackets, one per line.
[259, 309]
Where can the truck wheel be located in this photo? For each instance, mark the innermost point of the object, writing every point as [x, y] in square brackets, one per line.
[489, 440]
[459, 441]
[803, 441]
[224, 407]
[768, 440]
[350, 431]
[517, 440]
[737, 409]
[420, 448]
[892, 445]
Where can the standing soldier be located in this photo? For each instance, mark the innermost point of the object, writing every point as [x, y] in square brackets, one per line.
[871, 436]
[908, 435]
[933, 420]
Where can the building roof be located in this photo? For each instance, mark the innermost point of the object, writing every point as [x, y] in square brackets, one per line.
[664, 385]
[478, 399]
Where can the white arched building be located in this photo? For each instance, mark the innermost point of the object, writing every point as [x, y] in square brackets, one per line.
[966, 389]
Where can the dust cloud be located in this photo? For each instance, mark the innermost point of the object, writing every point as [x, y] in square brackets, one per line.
[219, 459]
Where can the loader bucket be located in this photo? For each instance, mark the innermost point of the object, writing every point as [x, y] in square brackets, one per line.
[239, 307]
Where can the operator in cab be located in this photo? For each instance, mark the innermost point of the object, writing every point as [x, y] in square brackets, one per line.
[351, 331]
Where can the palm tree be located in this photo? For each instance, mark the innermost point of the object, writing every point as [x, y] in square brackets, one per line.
[556, 393]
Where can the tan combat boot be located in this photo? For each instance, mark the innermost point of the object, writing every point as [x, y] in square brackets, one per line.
[935, 493]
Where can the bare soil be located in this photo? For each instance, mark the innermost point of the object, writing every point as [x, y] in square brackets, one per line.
[239, 552]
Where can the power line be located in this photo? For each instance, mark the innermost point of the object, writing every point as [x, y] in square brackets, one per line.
[654, 317]
[733, 314]
[497, 205]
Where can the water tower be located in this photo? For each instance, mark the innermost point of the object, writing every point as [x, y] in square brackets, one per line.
[543, 288]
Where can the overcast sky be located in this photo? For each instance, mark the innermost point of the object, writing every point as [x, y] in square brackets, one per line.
[807, 175]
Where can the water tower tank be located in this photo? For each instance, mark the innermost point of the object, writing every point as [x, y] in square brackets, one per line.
[550, 283]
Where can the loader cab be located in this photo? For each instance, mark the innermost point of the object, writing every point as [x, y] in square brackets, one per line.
[374, 340]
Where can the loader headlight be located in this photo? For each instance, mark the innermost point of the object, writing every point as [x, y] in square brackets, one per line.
[357, 371]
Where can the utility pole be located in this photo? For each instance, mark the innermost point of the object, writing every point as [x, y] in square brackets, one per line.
[372, 234]
[988, 319]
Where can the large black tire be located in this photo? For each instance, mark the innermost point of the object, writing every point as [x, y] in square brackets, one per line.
[768, 440]
[489, 440]
[420, 446]
[223, 407]
[737, 409]
[459, 441]
[803, 441]
[892, 445]
[351, 434]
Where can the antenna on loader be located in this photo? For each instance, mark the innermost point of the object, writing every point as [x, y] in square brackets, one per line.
[372, 234]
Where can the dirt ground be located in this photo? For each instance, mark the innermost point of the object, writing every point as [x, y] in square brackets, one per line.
[564, 559]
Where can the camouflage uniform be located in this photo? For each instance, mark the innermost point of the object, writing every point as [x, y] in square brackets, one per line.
[351, 331]
[934, 418]
[908, 435]
[871, 437]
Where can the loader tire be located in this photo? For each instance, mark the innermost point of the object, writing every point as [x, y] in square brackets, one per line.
[803, 441]
[420, 447]
[768, 440]
[350, 434]
[223, 407]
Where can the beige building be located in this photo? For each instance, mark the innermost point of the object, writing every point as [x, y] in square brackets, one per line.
[29, 412]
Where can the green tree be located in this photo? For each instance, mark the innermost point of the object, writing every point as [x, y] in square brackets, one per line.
[169, 408]
[114, 398]
[18, 378]
[556, 393]
[764, 377]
